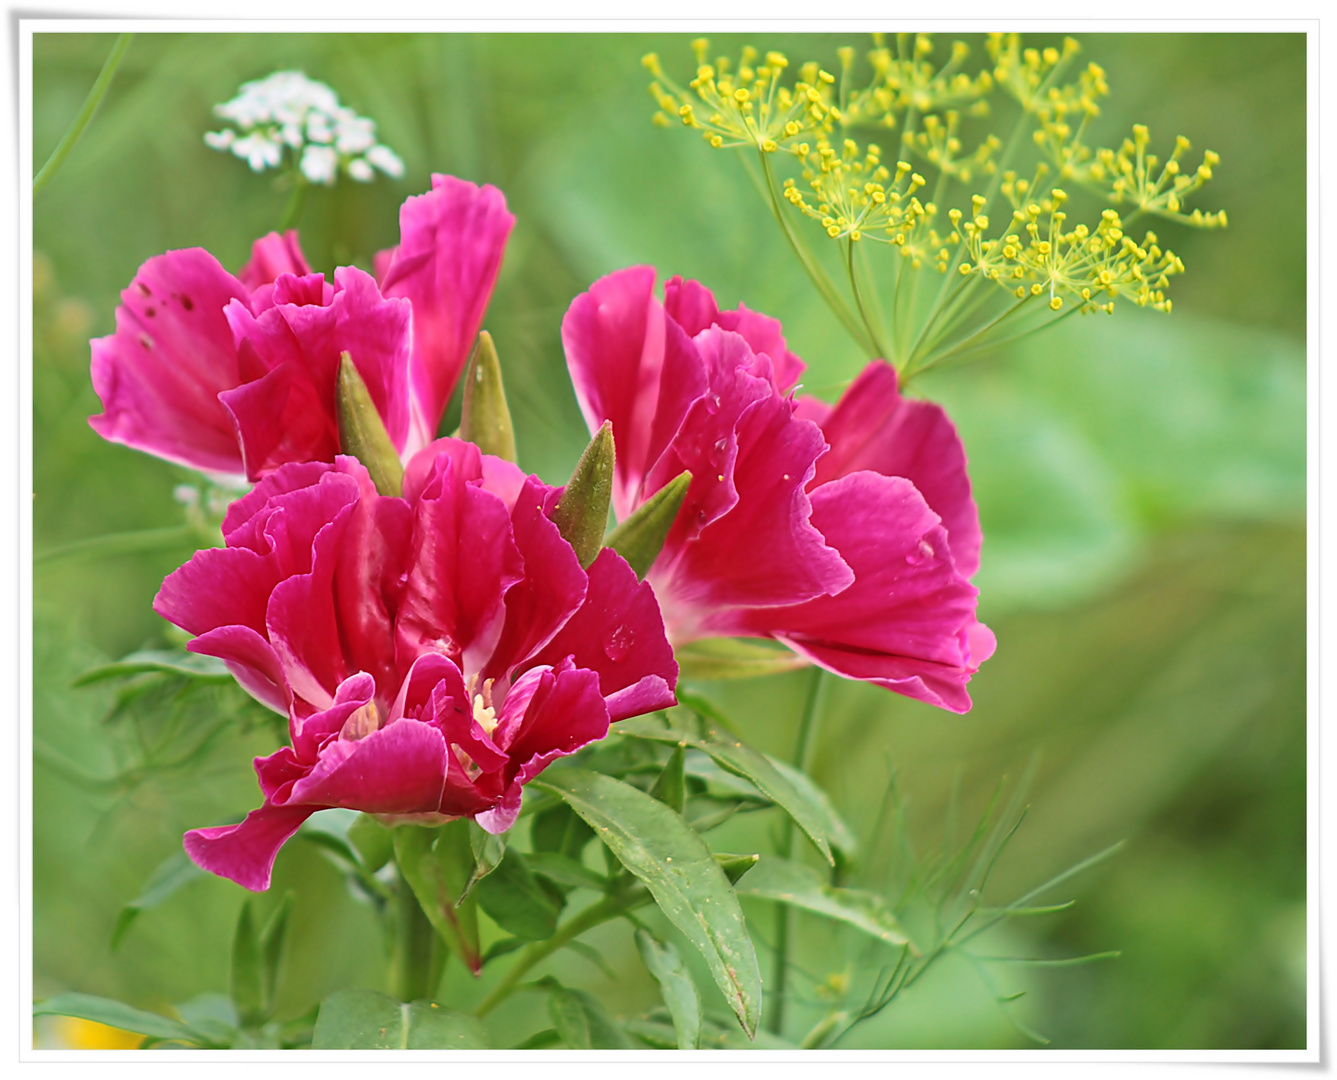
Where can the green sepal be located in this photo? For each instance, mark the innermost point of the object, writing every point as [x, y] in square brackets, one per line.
[362, 432]
[582, 514]
[485, 419]
[641, 537]
[735, 866]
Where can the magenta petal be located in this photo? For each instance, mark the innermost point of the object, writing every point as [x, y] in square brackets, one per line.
[693, 307]
[565, 712]
[398, 769]
[252, 661]
[908, 620]
[281, 417]
[451, 242]
[367, 582]
[273, 254]
[874, 427]
[160, 374]
[618, 633]
[245, 853]
[551, 590]
[310, 733]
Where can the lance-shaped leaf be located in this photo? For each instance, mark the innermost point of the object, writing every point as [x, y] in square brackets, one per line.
[675, 986]
[247, 978]
[733, 658]
[437, 863]
[581, 1020]
[357, 1019]
[486, 419]
[163, 661]
[362, 431]
[119, 1015]
[641, 537]
[660, 848]
[173, 872]
[803, 887]
[581, 515]
[517, 902]
[753, 766]
[670, 787]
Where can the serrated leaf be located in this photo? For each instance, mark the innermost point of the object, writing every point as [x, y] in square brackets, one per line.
[118, 1015]
[661, 849]
[172, 873]
[166, 661]
[517, 902]
[582, 1021]
[803, 887]
[756, 768]
[357, 1019]
[437, 863]
[675, 986]
[733, 658]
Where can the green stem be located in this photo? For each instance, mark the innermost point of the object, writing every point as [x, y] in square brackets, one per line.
[85, 115]
[807, 741]
[814, 269]
[418, 958]
[610, 907]
[878, 347]
[296, 201]
[996, 346]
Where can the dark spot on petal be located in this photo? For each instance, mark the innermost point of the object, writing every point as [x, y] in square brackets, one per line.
[187, 303]
[146, 341]
[150, 312]
[143, 288]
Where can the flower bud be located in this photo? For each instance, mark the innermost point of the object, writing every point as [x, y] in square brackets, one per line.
[640, 538]
[362, 432]
[486, 419]
[582, 514]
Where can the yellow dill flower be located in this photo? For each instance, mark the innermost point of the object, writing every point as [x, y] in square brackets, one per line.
[908, 79]
[1029, 75]
[939, 145]
[746, 105]
[1038, 257]
[1131, 175]
[856, 197]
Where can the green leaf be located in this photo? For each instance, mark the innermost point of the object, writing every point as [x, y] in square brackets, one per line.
[803, 887]
[675, 985]
[362, 431]
[581, 1020]
[641, 537]
[733, 658]
[560, 829]
[164, 661]
[272, 939]
[173, 872]
[661, 849]
[246, 976]
[357, 1019]
[564, 870]
[437, 863]
[486, 418]
[118, 1015]
[670, 788]
[488, 849]
[753, 766]
[735, 866]
[517, 902]
[819, 804]
[581, 515]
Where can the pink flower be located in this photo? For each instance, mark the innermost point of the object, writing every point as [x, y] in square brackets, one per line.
[848, 533]
[238, 374]
[433, 653]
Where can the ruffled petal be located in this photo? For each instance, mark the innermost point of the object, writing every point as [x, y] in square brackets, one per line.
[273, 254]
[398, 769]
[245, 853]
[692, 306]
[451, 242]
[874, 427]
[159, 375]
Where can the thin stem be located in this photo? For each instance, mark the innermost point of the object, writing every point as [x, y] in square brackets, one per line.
[813, 268]
[807, 740]
[608, 908]
[296, 201]
[122, 543]
[964, 344]
[958, 353]
[878, 347]
[85, 115]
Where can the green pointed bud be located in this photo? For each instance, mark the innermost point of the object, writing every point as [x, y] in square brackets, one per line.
[362, 432]
[486, 420]
[582, 515]
[735, 866]
[640, 538]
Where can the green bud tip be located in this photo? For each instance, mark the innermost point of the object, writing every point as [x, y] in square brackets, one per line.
[486, 419]
[362, 432]
[641, 537]
[582, 514]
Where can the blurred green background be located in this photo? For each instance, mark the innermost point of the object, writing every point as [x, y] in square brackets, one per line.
[1141, 480]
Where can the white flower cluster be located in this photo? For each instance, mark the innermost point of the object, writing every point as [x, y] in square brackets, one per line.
[288, 109]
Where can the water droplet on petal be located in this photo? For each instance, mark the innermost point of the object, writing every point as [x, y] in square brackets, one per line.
[619, 643]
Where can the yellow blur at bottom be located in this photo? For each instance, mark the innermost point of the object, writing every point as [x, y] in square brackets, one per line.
[71, 1033]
